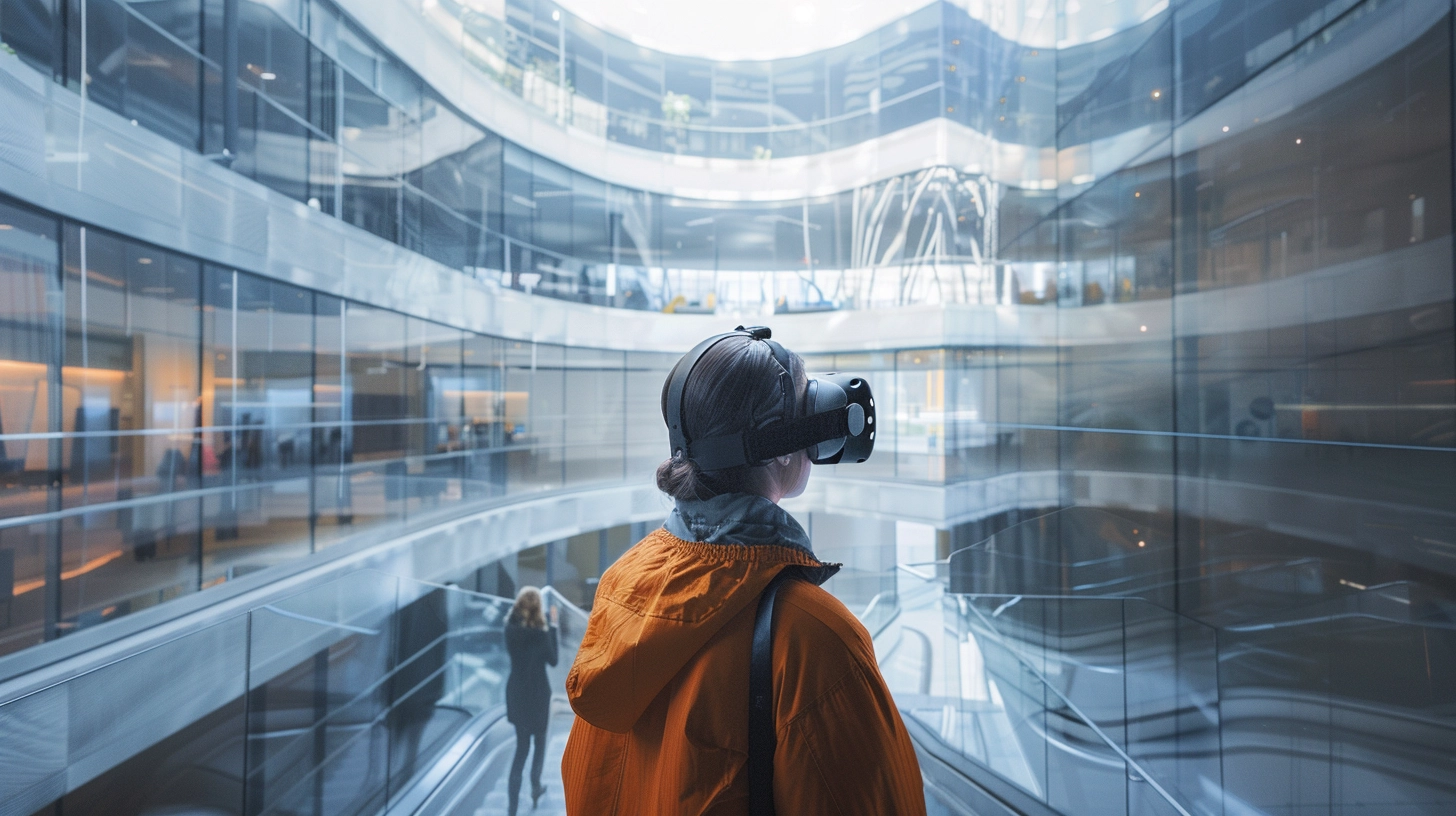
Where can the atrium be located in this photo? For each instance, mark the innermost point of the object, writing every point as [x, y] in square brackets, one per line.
[328, 326]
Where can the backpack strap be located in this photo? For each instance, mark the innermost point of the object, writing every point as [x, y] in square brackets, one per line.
[762, 733]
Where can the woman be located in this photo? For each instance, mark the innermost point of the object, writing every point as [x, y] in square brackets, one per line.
[659, 683]
[532, 647]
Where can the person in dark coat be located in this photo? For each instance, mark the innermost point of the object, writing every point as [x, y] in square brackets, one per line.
[532, 646]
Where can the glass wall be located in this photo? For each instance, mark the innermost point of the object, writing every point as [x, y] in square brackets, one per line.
[1233, 366]
[326, 116]
[167, 426]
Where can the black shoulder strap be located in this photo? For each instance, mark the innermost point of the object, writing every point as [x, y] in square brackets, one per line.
[762, 734]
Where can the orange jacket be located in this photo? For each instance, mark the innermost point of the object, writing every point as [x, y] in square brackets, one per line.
[660, 689]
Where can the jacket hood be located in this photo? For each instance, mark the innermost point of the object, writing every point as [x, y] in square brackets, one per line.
[657, 607]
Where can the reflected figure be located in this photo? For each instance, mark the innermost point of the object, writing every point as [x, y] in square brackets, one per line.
[419, 682]
[532, 646]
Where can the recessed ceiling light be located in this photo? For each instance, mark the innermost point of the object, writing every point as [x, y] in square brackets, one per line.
[268, 75]
[1225, 128]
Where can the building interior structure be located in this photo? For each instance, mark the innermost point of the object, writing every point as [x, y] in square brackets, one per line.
[319, 318]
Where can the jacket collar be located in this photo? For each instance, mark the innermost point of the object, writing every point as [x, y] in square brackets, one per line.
[737, 518]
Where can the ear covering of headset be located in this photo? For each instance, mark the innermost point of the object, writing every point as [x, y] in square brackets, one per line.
[838, 424]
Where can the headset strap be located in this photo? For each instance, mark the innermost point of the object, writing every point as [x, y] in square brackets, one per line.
[762, 734]
[776, 439]
[725, 451]
[678, 384]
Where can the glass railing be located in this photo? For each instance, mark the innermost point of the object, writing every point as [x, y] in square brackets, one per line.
[477, 783]
[927, 280]
[1101, 703]
[356, 686]
[331, 700]
[610, 88]
[127, 545]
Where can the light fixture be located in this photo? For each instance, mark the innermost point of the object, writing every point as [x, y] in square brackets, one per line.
[556, 15]
[1299, 141]
[268, 75]
[1157, 94]
[6, 227]
[144, 261]
[1142, 328]
[1225, 128]
[1138, 194]
[1142, 543]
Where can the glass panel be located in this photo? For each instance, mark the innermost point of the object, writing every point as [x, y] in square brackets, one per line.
[29, 290]
[273, 56]
[130, 385]
[319, 695]
[485, 404]
[433, 365]
[30, 27]
[162, 78]
[267, 403]
[372, 160]
[595, 425]
[333, 494]
[182, 731]
[534, 416]
[378, 398]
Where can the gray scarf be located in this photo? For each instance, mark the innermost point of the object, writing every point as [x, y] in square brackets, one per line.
[737, 518]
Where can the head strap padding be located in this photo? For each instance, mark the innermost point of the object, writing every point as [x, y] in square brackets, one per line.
[710, 454]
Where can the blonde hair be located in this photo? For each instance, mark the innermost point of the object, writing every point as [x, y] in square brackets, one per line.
[527, 610]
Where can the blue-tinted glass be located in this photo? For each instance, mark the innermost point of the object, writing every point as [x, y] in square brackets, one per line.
[372, 158]
[29, 280]
[854, 92]
[273, 56]
[1223, 42]
[910, 68]
[1116, 93]
[30, 27]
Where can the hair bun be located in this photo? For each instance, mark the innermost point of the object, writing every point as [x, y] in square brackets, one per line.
[680, 478]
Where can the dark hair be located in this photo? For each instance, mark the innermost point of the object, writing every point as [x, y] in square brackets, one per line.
[735, 385]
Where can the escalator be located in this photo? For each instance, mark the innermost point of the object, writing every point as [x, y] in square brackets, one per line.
[1095, 704]
[374, 694]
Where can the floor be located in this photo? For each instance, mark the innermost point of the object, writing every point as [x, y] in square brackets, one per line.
[552, 803]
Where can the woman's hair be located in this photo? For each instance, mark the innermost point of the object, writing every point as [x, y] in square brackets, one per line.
[527, 609]
[735, 385]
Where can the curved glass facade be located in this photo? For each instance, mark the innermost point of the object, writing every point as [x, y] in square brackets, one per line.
[169, 425]
[1157, 299]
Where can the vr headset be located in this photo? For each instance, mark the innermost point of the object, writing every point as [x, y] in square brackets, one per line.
[838, 424]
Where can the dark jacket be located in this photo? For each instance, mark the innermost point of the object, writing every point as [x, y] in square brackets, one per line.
[528, 692]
